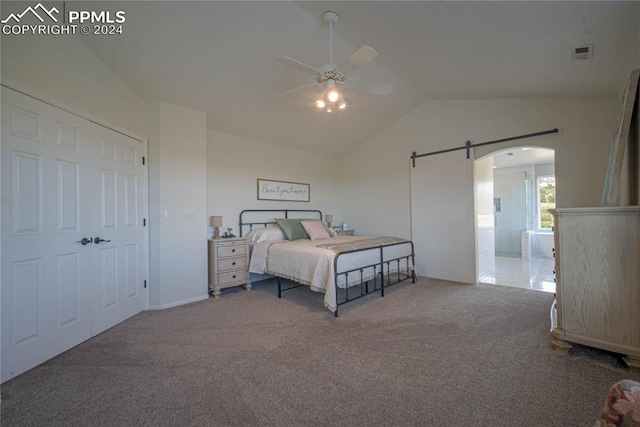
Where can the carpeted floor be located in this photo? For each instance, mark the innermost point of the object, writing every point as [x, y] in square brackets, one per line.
[432, 353]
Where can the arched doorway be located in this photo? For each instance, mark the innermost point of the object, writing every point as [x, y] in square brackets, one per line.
[515, 187]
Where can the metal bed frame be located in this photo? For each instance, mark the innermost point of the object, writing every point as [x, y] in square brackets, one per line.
[378, 267]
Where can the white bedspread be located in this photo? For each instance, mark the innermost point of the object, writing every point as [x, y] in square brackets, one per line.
[304, 262]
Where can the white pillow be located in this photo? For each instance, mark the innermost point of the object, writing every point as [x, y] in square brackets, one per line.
[265, 234]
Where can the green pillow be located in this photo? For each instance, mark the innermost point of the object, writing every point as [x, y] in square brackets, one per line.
[292, 228]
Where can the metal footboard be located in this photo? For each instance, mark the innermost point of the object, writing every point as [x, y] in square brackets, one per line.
[404, 270]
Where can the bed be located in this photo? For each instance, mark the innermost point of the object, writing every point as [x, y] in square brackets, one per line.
[344, 268]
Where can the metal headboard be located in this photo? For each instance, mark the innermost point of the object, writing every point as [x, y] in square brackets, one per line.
[266, 222]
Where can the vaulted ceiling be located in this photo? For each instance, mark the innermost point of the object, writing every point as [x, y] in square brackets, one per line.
[219, 57]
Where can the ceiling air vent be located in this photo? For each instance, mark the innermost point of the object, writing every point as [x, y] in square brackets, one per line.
[582, 53]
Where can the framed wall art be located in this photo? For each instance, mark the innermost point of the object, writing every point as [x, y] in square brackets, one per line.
[283, 191]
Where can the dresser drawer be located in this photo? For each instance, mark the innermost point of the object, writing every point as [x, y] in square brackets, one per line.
[232, 277]
[231, 250]
[232, 263]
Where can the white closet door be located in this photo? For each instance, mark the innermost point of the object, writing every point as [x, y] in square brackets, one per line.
[119, 261]
[57, 189]
[45, 211]
[442, 222]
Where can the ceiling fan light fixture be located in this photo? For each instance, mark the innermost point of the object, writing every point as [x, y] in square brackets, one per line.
[341, 103]
[333, 95]
[331, 77]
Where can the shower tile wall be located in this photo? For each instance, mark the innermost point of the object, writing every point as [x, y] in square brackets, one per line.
[510, 186]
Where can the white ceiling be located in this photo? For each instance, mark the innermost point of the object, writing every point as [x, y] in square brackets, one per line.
[519, 156]
[218, 57]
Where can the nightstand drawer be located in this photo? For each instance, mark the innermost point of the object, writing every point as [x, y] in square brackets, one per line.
[232, 263]
[231, 277]
[232, 250]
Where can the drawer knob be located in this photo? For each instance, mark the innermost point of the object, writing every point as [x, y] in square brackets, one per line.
[234, 276]
[233, 250]
[234, 263]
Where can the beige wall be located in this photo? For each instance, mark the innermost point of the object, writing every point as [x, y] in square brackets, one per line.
[235, 163]
[177, 186]
[64, 68]
[375, 177]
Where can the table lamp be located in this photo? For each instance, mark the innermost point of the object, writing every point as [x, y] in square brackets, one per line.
[216, 223]
[329, 219]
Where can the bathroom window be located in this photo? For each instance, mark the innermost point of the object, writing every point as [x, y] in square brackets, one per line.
[546, 200]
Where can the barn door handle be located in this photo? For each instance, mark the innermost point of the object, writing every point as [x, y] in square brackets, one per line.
[85, 241]
[99, 240]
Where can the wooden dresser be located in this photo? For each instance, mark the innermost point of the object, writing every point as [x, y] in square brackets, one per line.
[228, 264]
[598, 280]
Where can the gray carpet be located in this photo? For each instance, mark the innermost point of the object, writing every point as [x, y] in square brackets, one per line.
[432, 353]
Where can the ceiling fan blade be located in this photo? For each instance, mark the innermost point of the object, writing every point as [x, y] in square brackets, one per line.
[377, 88]
[297, 88]
[357, 59]
[290, 62]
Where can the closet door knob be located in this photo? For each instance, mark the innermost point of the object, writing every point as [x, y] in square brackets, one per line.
[85, 241]
[99, 240]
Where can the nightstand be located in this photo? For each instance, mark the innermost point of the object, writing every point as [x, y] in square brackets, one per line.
[345, 232]
[228, 264]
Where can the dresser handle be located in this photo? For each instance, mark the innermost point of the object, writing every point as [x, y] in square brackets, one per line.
[234, 276]
[233, 250]
[234, 263]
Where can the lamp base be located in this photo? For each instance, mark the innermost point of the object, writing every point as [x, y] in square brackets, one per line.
[216, 232]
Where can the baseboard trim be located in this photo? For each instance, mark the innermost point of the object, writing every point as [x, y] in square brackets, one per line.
[177, 303]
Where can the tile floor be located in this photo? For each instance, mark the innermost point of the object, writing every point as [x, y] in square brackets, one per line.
[534, 273]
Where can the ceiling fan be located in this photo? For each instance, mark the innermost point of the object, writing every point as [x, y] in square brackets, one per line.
[333, 77]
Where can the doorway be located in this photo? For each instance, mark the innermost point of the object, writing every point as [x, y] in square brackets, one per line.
[515, 234]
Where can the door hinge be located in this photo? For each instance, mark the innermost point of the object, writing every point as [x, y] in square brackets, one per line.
[144, 222]
[143, 160]
[145, 284]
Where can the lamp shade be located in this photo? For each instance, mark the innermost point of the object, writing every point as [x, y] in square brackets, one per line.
[216, 221]
[328, 218]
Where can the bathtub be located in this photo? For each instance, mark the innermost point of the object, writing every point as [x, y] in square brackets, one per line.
[545, 243]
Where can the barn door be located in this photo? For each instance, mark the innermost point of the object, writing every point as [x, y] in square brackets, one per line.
[442, 217]
[58, 192]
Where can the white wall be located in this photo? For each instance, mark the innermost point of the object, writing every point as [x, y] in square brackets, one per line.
[626, 193]
[484, 207]
[64, 68]
[178, 184]
[375, 176]
[235, 163]
[633, 63]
